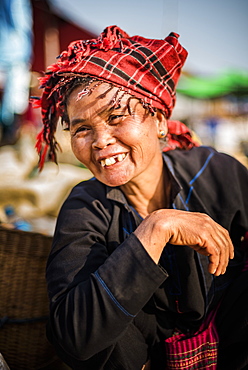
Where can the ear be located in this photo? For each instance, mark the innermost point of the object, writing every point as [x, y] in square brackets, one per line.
[161, 124]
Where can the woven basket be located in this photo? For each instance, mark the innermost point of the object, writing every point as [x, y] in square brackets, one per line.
[24, 301]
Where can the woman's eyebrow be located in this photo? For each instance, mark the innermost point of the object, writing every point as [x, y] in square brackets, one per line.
[120, 108]
[76, 121]
[106, 111]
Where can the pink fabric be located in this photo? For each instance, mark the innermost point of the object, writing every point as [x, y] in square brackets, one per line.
[198, 351]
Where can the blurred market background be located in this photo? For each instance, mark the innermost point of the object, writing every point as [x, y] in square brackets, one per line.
[212, 99]
[212, 93]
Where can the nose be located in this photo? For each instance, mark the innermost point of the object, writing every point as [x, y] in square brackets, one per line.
[102, 138]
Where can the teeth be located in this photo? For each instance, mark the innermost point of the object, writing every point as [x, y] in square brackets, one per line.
[111, 160]
[120, 157]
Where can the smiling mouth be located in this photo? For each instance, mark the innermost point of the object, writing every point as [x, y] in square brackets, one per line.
[112, 160]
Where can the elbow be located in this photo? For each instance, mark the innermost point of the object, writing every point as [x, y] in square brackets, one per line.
[70, 347]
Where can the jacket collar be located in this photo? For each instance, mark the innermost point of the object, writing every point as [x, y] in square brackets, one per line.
[115, 194]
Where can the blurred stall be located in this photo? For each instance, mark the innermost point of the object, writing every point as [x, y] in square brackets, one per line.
[30, 200]
[216, 108]
[15, 58]
[53, 32]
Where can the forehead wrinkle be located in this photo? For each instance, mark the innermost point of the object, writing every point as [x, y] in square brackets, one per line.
[104, 109]
[130, 102]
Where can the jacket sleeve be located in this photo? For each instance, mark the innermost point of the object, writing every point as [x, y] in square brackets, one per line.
[94, 296]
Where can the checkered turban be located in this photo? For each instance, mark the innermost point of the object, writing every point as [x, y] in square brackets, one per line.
[145, 68]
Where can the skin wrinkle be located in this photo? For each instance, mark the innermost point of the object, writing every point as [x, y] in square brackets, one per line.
[86, 82]
[100, 113]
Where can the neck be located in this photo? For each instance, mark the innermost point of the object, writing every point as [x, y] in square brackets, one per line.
[150, 193]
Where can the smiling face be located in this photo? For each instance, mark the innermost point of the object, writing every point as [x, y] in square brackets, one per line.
[117, 145]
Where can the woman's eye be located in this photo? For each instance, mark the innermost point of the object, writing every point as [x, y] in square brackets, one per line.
[83, 129]
[116, 118]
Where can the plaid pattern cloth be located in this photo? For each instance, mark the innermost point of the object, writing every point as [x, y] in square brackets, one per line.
[146, 68]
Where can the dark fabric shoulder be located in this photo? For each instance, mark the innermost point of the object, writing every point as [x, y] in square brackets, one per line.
[92, 187]
[88, 192]
[209, 171]
[212, 182]
[198, 158]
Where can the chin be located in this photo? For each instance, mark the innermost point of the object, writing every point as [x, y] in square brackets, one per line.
[112, 182]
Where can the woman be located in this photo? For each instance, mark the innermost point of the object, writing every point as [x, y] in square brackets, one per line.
[153, 242]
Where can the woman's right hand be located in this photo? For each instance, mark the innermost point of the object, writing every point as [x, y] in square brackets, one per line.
[196, 230]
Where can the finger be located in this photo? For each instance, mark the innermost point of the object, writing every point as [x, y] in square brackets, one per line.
[223, 261]
[223, 258]
[215, 267]
[228, 244]
[200, 249]
[213, 264]
[226, 251]
[218, 252]
[220, 260]
[228, 241]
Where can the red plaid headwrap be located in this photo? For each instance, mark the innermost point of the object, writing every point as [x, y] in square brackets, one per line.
[145, 68]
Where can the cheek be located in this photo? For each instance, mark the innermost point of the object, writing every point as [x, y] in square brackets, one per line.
[74, 145]
[133, 133]
[79, 149]
[142, 138]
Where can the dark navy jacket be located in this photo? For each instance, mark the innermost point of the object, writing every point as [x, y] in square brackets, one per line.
[100, 277]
